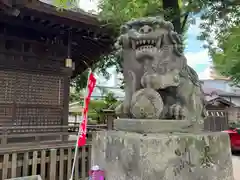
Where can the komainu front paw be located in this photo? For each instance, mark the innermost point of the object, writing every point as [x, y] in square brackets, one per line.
[177, 111]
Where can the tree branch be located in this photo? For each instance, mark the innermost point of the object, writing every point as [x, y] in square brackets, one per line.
[172, 5]
[184, 22]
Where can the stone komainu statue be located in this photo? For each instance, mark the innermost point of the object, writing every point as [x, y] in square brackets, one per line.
[158, 82]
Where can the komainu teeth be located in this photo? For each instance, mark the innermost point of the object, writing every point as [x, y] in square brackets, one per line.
[144, 41]
[133, 44]
[158, 43]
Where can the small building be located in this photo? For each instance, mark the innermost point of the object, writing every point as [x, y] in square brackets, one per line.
[41, 49]
[218, 103]
[215, 100]
[222, 88]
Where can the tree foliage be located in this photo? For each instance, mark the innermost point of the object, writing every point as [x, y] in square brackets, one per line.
[221, 30]
[214, 13]
[74, 96]
[226, 57]
[96, 106]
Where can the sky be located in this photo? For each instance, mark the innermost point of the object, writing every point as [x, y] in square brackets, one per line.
[197, 56]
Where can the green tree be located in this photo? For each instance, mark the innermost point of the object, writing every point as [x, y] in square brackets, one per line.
[226, 57]
[110, 99]
[178, 12]
[96, 106]
[75, 96]
[221, 30]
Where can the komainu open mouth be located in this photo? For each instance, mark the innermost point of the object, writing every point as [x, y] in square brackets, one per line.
[146, 45]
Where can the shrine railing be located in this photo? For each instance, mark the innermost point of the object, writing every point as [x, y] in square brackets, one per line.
[36, 150]
[50, 162]
[34, 135]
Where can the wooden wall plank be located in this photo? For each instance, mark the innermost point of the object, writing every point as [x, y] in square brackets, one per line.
[83, 166]
[43, 164]
[14, 165]
[76, 169]
[25, 164]
[5, 166]
[69, 163]
[89, 157]
[53, 163]
[61, 164]
[34, 163]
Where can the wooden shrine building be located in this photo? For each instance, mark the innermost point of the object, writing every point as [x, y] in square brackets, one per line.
[41, 48]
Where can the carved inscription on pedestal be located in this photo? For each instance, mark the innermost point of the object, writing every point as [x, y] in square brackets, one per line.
[184, 162]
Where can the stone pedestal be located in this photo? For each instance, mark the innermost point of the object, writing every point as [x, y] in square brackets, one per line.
[162, 156]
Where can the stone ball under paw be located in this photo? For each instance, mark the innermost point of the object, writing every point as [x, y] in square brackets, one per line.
[146, 104]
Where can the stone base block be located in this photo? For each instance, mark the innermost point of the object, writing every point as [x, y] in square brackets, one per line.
[177, 156]
[156, 126]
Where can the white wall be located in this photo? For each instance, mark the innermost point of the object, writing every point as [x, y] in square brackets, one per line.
[217, 84]
[223, 85]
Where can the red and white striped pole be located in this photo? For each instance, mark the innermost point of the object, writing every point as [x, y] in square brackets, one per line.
[81, 141]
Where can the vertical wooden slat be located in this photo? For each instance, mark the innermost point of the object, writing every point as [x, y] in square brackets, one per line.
[14, 165]
[76, 168]
[4, 138]
[83, 165]
[61, 164]
[43, 164]
[5, 166]
[34, 163]
[25, 164]
[89, 157]
[53, 163]
[69, 162]
[66, 99]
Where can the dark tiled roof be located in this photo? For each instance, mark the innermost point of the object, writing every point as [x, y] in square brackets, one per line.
[211, 91]
[210, 99]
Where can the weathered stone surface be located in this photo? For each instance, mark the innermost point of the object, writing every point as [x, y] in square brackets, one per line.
[146, 103]
[155, 126]
[178, 156]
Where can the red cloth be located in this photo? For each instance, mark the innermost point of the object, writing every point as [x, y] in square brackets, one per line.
[83, 126]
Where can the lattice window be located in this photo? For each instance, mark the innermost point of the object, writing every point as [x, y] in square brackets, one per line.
[7, 82]
[27, 116]
[39, 89]
[28, 96]
[38, 99]
[6, 115]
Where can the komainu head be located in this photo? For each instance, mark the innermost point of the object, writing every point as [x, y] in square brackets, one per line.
[148, 36]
